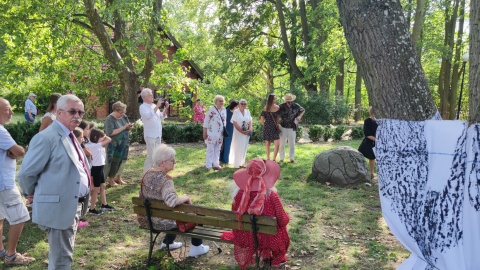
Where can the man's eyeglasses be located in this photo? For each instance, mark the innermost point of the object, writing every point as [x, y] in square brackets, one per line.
[245, 104]
[289, 102]
[74, 112]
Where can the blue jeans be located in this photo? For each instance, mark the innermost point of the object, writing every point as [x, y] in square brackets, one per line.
[28, 117]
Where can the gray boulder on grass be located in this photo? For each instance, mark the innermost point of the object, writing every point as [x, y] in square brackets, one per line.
[341, 166]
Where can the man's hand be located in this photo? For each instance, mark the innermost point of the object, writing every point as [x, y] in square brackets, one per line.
[11, 155]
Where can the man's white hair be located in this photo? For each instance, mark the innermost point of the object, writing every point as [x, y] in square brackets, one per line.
[145, 92]
[65, 99]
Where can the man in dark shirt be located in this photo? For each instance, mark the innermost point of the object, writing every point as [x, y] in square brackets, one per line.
[291, 113]
[139, 95]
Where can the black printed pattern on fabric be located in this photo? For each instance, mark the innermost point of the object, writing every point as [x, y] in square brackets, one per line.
[432, 218]
[474, 173]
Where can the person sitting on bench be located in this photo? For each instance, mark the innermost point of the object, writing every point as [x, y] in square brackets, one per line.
[157, 184]
[257, 196]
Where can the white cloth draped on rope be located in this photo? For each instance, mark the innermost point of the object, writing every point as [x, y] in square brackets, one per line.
[429, 175]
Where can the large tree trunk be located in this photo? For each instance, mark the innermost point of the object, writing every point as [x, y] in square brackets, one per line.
[288, 50]
[340, 78]
[380, 42]
[118, 55]
[474, 63]
[456, 70]
[128, 85]
[307, 39]
[445, 89]
[418, 26]
[358, 95]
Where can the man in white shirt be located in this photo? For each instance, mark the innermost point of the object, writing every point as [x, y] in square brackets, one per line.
[152, 124]
[30, 108]
[11, 203]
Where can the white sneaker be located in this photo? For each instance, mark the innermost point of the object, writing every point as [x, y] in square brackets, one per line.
[198, 250]
[172, 246]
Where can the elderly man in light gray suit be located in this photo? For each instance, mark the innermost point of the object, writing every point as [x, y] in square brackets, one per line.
[54, 170]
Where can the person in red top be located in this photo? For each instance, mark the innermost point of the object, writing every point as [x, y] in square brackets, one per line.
[256, 195]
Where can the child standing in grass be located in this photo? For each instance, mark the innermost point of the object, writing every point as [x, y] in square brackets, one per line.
[87, 127]
[80, 135]
[98, 141]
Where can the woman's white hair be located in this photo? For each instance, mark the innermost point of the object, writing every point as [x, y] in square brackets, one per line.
[163, 152]
[218, 97]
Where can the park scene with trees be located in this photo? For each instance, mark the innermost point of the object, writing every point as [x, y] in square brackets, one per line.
[410, 60]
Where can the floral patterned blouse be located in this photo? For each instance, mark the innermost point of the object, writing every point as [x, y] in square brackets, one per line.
[214, 123]
[156, 185]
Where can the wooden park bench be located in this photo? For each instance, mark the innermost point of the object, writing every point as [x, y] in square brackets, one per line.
[213, 221]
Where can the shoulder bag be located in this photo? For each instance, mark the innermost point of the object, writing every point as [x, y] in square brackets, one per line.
[225, 132]
[276, 124]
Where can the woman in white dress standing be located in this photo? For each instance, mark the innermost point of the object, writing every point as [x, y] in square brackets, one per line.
[242, 130]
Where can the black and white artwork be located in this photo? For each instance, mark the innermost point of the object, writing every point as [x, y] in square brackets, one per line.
[428, 175]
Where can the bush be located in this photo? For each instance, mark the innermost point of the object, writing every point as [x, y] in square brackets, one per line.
[357, 132]
[172, 133]
[22, 131]
[315, 132]
[321, 109]
[327, 133]
[136, 133]
[258, 132]
[192, 132]
[299, 133]
[338, 132]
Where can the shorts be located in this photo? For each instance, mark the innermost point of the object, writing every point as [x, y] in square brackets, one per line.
[97, 175]
[12, 207]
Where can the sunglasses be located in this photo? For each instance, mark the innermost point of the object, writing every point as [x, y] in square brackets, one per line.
[74, 112]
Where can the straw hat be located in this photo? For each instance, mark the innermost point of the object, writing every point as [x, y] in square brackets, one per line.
[289, 97]
[254, 170]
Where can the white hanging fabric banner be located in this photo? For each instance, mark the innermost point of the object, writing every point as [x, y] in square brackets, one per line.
[429, 175]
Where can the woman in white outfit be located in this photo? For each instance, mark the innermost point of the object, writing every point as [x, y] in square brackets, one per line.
[242, 130]
[213, 132]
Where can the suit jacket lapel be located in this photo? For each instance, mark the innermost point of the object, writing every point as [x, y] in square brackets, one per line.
[66, 143]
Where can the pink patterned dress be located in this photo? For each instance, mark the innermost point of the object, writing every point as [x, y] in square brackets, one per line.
[198, 116]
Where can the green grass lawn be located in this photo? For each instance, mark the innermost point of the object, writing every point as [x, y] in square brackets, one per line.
[330, 227]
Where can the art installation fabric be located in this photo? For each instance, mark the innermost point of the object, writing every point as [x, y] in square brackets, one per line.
[429, 175]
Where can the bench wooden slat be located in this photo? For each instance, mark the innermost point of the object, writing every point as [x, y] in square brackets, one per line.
[206, 211]
[213, 221]
[195, 233]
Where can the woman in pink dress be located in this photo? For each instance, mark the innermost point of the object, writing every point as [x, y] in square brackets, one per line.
[199, 112]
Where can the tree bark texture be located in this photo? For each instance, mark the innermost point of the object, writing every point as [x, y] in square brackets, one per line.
[380, 42]
[358, 96]
[474, 63]
[340, 78]
[446, 69]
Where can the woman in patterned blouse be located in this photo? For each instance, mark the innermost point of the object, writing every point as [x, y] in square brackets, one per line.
[157, 184]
